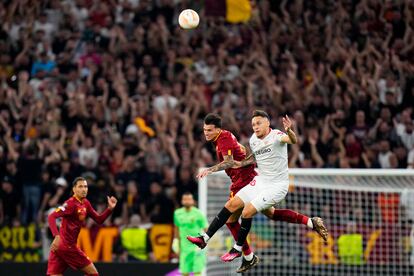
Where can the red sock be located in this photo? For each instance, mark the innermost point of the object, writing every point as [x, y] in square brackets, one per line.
[289, 216]
[234, 228]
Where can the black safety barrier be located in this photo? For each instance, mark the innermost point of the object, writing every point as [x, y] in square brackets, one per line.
[105, 269]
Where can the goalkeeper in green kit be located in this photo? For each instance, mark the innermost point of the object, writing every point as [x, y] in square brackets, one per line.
[189, 221]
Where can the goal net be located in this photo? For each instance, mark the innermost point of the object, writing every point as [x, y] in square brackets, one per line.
[369, 215]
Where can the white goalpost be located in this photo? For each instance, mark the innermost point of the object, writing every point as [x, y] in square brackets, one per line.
[369, 215]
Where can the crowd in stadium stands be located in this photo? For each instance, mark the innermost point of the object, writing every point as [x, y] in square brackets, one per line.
[116, 92]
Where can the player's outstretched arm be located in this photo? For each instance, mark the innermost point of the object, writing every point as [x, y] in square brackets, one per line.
[227, 163]
[100, 218]
[290, 138]
[250, 159]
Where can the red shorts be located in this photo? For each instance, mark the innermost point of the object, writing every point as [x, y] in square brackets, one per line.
[236, 189]
[64, 257]
[233, 192]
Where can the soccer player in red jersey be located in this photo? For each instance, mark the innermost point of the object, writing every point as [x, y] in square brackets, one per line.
[64, 251]
[229, 150]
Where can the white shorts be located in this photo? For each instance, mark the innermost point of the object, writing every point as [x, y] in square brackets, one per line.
[263, 193]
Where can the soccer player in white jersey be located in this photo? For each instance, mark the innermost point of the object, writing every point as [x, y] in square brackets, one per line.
[277, 173]
[269, 152]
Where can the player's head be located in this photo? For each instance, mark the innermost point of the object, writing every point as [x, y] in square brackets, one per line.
[260, 123]
[80, 187]
[212, 126]
[187, 200]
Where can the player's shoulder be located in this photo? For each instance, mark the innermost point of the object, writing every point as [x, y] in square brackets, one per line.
[225, 134]
[276, 131]
[70, 201]
[86, 201]
[67, 205]
[276, 134]
[197, 211]
[226, 138]
[179, 211]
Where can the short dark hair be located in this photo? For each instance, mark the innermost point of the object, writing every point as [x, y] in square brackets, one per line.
[77, 179]
[260, 113]
[213, 119]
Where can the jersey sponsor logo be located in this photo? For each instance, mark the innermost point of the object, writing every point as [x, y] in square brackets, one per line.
[262, 151]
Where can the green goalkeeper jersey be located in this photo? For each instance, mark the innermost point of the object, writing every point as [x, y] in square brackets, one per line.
[189, 223]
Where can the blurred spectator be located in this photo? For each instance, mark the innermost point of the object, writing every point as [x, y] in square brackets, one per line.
[410, 159]
[10, 207]
[159, 208]
[386, 158]
[116, 90]
[29, 174]
[43, 65]
[54, 194]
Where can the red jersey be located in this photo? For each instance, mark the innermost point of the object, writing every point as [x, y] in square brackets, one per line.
[74, 213]
[227, 144]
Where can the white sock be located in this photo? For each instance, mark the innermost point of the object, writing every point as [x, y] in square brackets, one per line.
[249, 257]
[310, 224]
[237, 247]
[205, 237]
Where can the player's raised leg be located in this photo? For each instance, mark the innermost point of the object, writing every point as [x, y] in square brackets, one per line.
[219, 220]
[249, 260]
[246, 223]
[290, 216]
[234, 226]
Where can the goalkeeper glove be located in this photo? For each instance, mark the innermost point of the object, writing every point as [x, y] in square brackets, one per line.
[176, 246]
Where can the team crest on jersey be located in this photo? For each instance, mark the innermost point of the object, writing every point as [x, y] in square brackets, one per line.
[82, 214]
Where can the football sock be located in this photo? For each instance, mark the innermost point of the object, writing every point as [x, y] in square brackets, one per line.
[249, 257]
[246, 224]
[291, 217]
[234, 228]
[237, 247]
[310, 223]
[218, 222]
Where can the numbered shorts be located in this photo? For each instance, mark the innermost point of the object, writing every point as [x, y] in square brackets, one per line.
[66, 256]
[263, 193]
[192, 261]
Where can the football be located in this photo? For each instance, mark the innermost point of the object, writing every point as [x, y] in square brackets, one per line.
[188, 19]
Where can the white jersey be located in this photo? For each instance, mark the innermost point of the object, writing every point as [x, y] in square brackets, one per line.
[271, 156]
